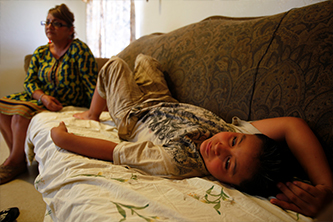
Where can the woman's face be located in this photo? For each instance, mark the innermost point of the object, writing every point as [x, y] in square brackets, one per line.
[231, 157]
[55, 33]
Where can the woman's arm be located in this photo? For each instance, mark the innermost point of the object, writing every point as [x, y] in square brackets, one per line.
[32, 84]
[31, 81]
[49, 102]
[86, 146]
[302, 142]
[88, 70]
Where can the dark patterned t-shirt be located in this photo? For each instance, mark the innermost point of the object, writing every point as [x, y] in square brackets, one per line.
[175, 132]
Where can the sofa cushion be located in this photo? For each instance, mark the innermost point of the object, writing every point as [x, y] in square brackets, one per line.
[211, 63]
[295, 77]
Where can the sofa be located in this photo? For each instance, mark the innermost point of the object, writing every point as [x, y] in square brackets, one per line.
[253, 68]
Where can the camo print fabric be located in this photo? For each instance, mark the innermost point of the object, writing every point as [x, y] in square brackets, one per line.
[253, 68]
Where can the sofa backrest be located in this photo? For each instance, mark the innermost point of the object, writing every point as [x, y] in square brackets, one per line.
[254, 68]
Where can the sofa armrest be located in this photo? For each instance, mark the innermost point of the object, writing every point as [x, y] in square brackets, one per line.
[27, 59]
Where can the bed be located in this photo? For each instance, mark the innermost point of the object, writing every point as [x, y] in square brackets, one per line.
[253, 68]
[77, 188]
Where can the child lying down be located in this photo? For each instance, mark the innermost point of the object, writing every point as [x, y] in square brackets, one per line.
[167, 138]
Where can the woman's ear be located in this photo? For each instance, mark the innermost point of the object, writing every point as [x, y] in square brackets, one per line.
[71, 30]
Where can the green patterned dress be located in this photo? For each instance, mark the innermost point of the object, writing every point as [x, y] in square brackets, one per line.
[71, 79]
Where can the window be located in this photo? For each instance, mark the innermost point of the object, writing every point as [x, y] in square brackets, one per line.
[110, 26]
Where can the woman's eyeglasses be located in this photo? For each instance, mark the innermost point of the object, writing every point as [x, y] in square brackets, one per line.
[54, 24]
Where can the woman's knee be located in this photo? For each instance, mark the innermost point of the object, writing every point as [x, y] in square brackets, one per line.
[5, 119]
[20, 121]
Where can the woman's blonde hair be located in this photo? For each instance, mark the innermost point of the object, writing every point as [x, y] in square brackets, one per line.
[62, 12]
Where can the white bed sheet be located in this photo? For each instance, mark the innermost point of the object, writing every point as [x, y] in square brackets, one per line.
[77, 188]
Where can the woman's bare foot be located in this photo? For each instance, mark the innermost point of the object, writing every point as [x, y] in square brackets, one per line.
[86, 115]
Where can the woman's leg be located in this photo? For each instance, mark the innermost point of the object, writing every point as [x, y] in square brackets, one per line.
[6, 130]
[19, 126]
[16, 162]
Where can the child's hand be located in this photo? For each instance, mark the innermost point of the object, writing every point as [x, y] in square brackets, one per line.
[303, 198]
[57, 131]
[61, 128]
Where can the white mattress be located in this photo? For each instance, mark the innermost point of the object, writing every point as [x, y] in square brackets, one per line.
[77, 188]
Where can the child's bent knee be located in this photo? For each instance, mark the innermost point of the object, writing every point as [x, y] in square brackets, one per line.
[115, 63]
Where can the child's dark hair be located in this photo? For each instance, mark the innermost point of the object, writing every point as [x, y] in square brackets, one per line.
[275, 165]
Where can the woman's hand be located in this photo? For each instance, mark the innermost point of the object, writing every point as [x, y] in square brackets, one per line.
[51, 103]
[303, 198]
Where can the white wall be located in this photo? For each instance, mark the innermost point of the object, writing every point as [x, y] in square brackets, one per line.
[21, 33]
[167, 15]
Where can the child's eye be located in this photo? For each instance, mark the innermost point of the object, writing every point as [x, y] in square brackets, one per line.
[234, 141]
[227, 164]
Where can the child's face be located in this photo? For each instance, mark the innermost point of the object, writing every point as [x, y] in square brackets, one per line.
[231, 157]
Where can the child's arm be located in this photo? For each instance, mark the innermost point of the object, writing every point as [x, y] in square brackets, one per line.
[91, 147]
[298, 196]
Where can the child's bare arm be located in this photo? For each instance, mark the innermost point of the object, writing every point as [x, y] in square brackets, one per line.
[303, 144]
[91, 147]
[298, 196]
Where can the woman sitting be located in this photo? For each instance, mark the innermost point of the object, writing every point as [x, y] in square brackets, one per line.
[61, 73]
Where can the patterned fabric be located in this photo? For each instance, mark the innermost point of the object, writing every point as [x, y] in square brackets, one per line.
[71, 79]
[254, 68]
[167, 137]
[179, 129]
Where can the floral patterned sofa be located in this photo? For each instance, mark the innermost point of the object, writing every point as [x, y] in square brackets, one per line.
[253, 68]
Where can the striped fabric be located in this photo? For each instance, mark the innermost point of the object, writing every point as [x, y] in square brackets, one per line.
[26, 109]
